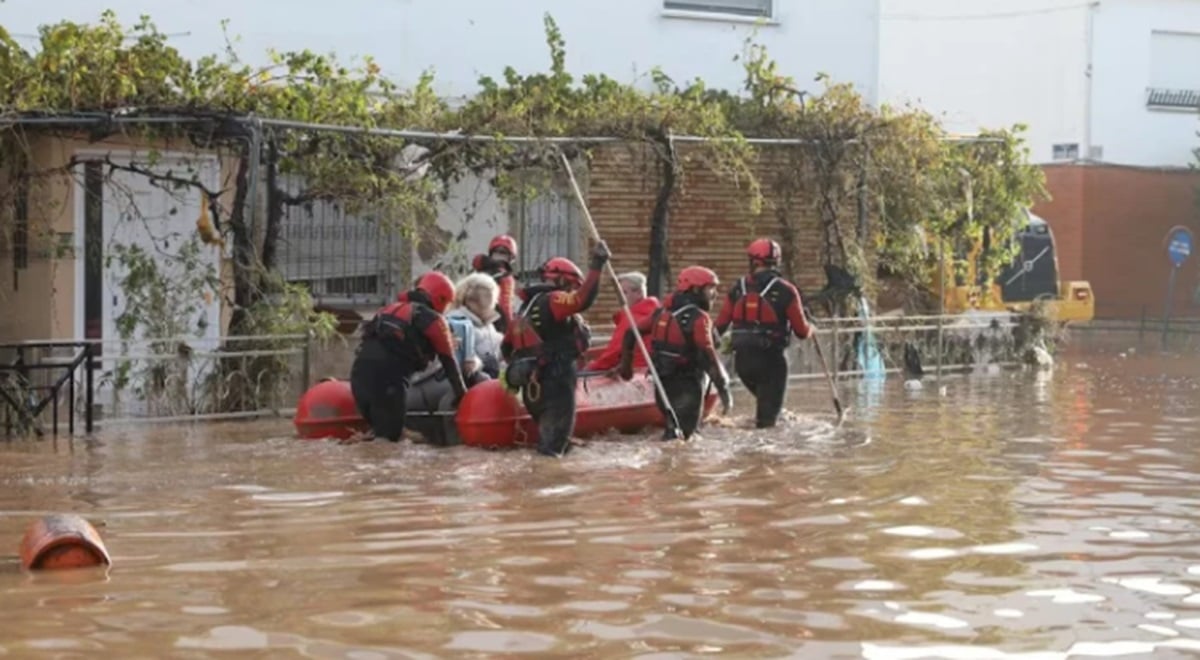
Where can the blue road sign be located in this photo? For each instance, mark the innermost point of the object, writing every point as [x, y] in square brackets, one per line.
[1179, 246]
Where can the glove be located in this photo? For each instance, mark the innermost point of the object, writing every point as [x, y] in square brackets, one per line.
[726, 400]
[600, 255]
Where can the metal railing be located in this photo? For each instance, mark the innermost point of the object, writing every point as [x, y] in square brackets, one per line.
[32, 385]
[944, 344]
[1176, 333]
[157, 381]
[160, 380]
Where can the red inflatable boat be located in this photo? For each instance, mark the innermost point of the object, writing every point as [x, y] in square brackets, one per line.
[490, 416]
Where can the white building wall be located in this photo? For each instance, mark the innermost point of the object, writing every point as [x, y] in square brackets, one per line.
[464, 39]
[991, 64]
[999, 62]
[1142, 44]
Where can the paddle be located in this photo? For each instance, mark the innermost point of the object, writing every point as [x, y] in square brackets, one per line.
[837, 402]
[673, 431]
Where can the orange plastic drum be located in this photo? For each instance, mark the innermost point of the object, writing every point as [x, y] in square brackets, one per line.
[62, 541]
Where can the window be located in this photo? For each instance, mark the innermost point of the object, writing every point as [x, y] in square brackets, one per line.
[343, 258]
[1174, 81]
[1068, 151]
[756, 8]
[548, 225]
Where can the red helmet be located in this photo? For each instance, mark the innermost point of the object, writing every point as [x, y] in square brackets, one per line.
[561, 267]
[503, 242]
[696, 277]
[438, 287]
[765, 250]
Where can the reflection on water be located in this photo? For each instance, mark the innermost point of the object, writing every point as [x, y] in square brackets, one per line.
[1015, 515]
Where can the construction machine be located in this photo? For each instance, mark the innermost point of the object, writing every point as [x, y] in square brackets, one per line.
[1032, 276]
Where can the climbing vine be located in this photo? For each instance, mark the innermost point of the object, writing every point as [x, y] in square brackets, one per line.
[873, 180]
[882, 184]
[554, 104]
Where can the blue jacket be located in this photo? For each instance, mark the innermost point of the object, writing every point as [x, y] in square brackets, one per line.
[464, 332]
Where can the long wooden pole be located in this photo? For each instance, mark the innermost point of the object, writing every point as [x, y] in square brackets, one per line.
[621, 295]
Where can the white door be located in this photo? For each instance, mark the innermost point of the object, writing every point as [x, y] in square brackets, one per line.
[149, 233]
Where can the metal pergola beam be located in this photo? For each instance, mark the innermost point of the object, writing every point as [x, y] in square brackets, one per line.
[412, 135]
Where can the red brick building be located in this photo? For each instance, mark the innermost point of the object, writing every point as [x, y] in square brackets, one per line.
[1110, 222]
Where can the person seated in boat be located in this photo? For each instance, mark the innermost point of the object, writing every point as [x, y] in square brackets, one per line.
[544, 341]
[642, 306]
[765, 310]
[400, 341]
[498, 264]
[683, 346]
[475, 306]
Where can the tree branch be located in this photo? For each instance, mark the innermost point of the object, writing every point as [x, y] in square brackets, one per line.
[210, 197]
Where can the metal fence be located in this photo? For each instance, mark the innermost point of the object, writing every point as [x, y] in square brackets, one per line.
[154, 382]
[161, 380]
[342, 258]
[1150, 331]
[857, 348]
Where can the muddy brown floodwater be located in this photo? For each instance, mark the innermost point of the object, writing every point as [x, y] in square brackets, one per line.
[1014, 516]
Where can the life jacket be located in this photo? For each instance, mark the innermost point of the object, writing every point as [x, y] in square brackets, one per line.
[761, 312]
[535, 332]
[672, 344]
[400, 328]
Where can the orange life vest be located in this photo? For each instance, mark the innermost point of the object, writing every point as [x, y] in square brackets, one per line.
[761, 312]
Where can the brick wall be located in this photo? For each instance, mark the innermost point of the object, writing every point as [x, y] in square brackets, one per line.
[1109, 223]
[1128, 212]
[710, 220]
[1065, 212]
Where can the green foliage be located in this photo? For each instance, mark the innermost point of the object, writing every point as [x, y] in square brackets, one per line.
[884, 182]
[161, 301]
[552, 104]
[877, 180]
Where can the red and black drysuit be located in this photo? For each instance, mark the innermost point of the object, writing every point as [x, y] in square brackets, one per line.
[401, 340]
[501, 272]
[542, 345]
[765, 310]
[683, 348]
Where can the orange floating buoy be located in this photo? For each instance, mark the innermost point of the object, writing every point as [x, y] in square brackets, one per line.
[327, 410]
[62, 541]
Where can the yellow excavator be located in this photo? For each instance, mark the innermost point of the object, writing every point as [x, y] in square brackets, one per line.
[1031, 277]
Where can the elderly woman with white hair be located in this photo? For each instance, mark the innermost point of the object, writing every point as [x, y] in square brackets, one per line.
[475, 303]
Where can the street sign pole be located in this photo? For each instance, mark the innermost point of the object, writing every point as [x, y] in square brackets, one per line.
[1179, 248]
[1170, 299]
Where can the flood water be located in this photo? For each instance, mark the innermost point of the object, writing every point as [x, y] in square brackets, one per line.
[1012, 516]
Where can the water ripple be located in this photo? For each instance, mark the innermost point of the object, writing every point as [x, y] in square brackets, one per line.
[1016, 516]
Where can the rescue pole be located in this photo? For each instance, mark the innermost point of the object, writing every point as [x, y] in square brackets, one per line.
[674, 431]
[837, 401]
